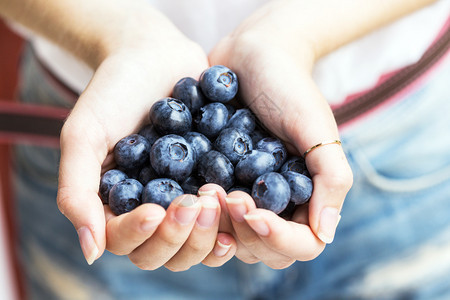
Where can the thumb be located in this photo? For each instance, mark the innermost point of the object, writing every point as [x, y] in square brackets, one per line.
[79, 175]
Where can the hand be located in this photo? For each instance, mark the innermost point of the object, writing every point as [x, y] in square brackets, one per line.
[275, 82]
[140, 65]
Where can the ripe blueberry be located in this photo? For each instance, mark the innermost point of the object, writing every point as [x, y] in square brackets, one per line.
[295, 164]
[271, 191]
[125, 196]
[211, 119]
[171, 156]
[188, 90]
[219, 83]
[276, 148]
[108, 180]
[170, 116]
[301, 186]
[252, 165]
[132, 152]
[149, 132]
[243, 119]
[161, 191]
[199, 143]
[233, 143]
[214, 167]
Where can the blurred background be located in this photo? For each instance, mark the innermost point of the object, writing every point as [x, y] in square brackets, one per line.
[10, 282]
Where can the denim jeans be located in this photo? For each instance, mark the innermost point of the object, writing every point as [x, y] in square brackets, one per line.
[393, 241]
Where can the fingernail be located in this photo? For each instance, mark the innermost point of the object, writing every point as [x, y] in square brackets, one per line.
[187, 209]
[211, 193]
[236, 208]
[221, 249]
[329, 218]
[88, 245]
[258, 224]
[150, 223]
[208, 214]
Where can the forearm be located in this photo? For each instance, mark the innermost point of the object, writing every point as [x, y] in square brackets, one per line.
[90, 29]
[327, 24]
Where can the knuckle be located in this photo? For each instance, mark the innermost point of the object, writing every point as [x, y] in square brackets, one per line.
[339, 181]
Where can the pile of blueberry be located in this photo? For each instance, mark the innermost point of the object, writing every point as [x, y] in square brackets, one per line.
[197, 137]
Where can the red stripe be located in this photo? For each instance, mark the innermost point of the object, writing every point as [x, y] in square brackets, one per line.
[34, 109]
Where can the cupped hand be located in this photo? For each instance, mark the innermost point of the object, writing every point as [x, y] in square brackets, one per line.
[138, 67]
[274, 72]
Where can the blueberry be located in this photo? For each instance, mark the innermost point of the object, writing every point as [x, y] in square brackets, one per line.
[301, 186]
[125, 196]
[240, 188]
[243, 119]
[214, 167]
[271, 191]
[108, 180]
[170, 116]
[132, 152]
[295, 164]
[257, 135]
[231, 110]
[219, 83]
[211, 119]
[146, 174]
[233, 143]
[276, 147]
[252, 165]
[289, 211]
[192, 184]
[199, 143]
[149, 132]
[171, 156]
[161, 191]
[189, 92]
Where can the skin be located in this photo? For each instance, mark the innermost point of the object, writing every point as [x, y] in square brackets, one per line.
[139, 56]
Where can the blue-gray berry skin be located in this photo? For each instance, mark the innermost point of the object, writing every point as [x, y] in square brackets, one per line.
[295, 164]
[192, 184]
[149, 132]
[214, 167]
[108, 180]
[243, 119]
[132, 152]
[171, 156]
[240, 188]
[219, 83]
[276, 148]
[257, 135]
[146, 174]
[231, 110]
[170, 116]
[253, 165]
[289, 211]
[211, 119]
[301, 187]
[189, 92]
[161, 191]
[125, 196]
[199, 143]
[271, 191]
[234, 144]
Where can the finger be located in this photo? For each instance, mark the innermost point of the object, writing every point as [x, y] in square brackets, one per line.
[170, 235]
[291, 239]
[216, 190]
[202, 238]
[126, 232]
[224, 249]
[332, 179]
[79, 177]
[239, 204]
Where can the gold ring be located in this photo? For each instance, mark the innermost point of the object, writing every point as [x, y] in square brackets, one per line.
[320, 145]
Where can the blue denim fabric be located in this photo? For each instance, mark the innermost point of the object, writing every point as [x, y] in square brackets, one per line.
[393, 241]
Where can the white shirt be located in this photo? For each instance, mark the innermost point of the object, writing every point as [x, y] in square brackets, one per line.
[352, 68]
